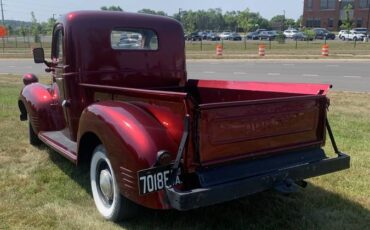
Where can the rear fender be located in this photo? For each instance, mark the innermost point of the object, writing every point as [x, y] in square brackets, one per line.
[41, 104]
[132, 138]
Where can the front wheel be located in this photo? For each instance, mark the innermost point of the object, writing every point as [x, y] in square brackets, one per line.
[108, 200]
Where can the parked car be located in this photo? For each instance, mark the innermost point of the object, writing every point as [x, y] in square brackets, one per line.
[252, 35]
[300, 36]
[193, 37]
[340, 34]
[129, 43]
[267, 35]
[260, 30]
[235, 37]
[322, 33]
[225, 35]
[363, 31]
[352, 35]
[290, 33]
[203, 35]
[212, 36]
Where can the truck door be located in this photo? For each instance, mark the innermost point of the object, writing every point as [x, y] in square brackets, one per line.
[58, 68]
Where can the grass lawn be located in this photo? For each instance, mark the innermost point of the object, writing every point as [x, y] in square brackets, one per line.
[40, 189]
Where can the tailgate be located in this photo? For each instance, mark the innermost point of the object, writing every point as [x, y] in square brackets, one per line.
[233, 130]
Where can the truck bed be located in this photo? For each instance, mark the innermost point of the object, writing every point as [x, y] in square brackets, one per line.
[237, 120]
[242, 120]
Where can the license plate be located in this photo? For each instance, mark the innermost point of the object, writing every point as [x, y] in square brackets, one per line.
[155, 179]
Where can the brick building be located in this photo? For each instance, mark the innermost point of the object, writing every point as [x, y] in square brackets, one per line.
[330, 13]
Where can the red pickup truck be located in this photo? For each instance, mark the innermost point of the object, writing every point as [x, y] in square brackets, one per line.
[120, 100]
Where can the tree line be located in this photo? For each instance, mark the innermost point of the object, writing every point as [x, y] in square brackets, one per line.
[217, 20]
[238, 21]
[211, 19]
[33, 28]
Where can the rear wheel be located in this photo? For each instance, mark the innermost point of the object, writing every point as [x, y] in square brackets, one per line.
[34, 139]
[108, 200]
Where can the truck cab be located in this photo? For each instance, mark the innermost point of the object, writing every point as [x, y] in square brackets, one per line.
[120, 101]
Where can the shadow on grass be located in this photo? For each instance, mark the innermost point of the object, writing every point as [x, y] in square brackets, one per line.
[79, 174]
[310, 208]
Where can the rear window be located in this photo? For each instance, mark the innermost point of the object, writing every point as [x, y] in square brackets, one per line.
[134, 39]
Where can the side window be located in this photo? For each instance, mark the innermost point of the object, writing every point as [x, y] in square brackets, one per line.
[134, 39]
[58, 46]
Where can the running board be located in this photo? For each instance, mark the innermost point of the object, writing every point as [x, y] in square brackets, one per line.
[58, 141]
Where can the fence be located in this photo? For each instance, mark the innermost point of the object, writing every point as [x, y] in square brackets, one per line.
[287, 47]
[23, 45]
[19, 46]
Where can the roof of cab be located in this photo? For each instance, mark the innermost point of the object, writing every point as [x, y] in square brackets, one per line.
[83, 18]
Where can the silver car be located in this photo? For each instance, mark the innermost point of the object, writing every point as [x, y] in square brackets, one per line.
[290, 33]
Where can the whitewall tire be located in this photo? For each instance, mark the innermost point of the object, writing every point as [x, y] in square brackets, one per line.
[108, 200]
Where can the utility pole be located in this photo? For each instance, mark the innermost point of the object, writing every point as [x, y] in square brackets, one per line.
[180, 14]
[368, 16]
[2, 12]
[2, 18]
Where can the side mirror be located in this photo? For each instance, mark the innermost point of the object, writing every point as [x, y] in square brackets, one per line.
[38, 55]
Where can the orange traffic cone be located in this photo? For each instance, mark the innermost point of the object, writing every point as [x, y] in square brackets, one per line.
[219, 50]
[261, 50]
[325, 50]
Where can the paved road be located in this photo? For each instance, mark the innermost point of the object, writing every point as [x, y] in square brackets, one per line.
[20, 66]
[344, 75]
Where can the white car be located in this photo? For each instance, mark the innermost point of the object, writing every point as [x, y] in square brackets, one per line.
[352, 35]
[363, 31]
[225, 35]
[290, 33]
[340, 34]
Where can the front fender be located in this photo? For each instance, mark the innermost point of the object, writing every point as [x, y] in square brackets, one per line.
[132, 138]
[41, 104]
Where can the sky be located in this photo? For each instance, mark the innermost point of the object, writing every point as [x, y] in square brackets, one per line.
[44, 9]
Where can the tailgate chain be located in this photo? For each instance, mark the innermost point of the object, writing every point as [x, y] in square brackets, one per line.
[334, 144]
[176, 165]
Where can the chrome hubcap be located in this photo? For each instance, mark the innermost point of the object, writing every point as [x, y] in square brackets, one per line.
[106, 184]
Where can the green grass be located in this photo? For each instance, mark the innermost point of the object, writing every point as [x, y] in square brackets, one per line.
[39, 189]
